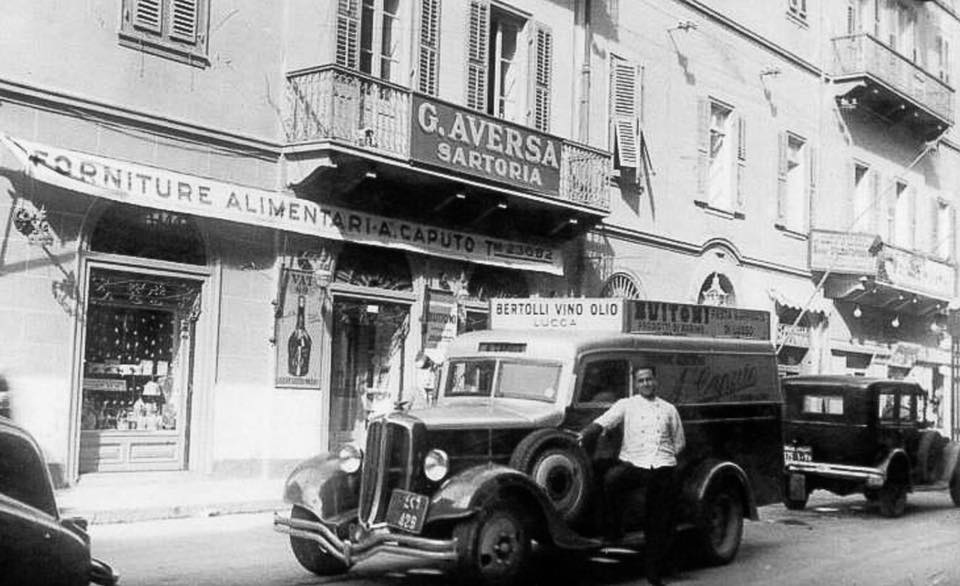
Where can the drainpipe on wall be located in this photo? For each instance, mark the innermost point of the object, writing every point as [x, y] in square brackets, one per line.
[583, 115]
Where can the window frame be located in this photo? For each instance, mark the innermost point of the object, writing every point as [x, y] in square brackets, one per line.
[159, 38]
[720, 170]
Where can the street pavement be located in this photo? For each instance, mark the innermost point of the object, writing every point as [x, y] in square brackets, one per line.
[835, 541]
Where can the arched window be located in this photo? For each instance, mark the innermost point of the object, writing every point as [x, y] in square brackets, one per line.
[148, 233]
[717, 290]
[371, 266]
[621, 285]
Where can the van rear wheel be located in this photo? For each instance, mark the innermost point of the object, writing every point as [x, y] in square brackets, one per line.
[720, 528]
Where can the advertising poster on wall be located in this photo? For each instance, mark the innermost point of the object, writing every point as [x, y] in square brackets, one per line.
[299, 330]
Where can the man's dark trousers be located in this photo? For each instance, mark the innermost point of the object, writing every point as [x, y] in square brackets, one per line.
[660, 492]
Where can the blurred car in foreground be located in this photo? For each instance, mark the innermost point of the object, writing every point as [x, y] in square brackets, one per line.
[37, 546]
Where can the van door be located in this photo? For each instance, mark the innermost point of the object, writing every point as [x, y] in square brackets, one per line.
[601, 382]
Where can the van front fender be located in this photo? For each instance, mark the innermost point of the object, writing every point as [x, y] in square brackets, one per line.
[711, 471]
[468, 492]
[318, 485]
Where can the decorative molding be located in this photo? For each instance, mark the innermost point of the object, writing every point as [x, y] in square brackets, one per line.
[78, 106]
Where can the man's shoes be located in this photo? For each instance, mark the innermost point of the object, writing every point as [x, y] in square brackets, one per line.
[655, 581]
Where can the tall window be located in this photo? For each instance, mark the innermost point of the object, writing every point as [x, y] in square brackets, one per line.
[176, 29]
[863, 211]
[797, 182]
[942, 230]
[720, 179]
[903, 216]
[797, 9]
[509, 65]
[369, 38]
[898, 27]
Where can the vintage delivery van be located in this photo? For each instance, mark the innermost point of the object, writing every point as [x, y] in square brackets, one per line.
[495, 464]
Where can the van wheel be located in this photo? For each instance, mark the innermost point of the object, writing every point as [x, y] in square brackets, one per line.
[309, 553]
[558, 465]
[893, 500]
[493, 547]
[720, 528]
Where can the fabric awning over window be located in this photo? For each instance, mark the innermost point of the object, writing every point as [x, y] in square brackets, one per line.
[157, 188]
[799, 300]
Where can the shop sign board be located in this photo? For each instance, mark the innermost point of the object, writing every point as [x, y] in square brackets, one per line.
[842, 252]
[469, 142]
[913, 271]
[664, 317]
[151, 187]
[299, 330]
[571, 314]
[442, 319]
[905, 354]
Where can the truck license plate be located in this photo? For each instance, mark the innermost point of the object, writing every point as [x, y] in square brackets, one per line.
[797, 454]
[407, 510]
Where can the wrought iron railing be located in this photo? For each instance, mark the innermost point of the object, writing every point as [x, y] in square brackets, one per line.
[863, 54]
[331, 103]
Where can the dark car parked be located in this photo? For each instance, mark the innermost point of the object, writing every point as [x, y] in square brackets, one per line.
[849, 434]
[37, 546]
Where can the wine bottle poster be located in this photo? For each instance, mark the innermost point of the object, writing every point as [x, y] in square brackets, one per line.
[299, 331]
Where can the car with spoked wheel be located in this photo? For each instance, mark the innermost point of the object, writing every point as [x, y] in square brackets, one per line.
[848, 434]
[495, 467]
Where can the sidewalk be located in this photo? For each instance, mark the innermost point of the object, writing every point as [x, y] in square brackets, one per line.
[131, 497]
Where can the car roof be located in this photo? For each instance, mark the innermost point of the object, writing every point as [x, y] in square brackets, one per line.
[542, 343]
[845, 380]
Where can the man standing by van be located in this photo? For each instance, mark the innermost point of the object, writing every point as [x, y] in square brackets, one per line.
[652, 439]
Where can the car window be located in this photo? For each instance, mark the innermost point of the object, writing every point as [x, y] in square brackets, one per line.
[887, 406]
[908, 408]
[605, 381]
[470, 378]
[527, 380]
[23, 475]
[823, 404]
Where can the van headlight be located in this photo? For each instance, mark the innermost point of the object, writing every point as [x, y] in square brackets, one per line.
[436, 464]
[350, 457]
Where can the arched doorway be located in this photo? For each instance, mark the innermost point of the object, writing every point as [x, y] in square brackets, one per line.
[139, 340]
[372, 294]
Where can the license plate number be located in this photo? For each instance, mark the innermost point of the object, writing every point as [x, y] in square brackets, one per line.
[797, 454]
[407, 510]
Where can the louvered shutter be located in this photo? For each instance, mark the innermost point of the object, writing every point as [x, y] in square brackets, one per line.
[542, 77]
[876, 205]
[148, 15]
[183, 20]
[429, 61]
[782, 146]
[912, 201]
[741, 159]
[478, 29]
[703, 146]
[348, 33]
[623, 91]
[812, 163]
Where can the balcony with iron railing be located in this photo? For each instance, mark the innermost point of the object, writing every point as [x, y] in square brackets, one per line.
[908, 88]
[364, 115]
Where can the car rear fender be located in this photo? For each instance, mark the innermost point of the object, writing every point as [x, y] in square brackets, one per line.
[469, 491]
[318, 485]
[707, 473]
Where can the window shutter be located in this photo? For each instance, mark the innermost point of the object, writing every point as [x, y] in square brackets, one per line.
[741, 158]
[934, 219]
[703, 146]
[429, 46]
[951, 238]
[912, 201]
[183, 21]
[812, 185]
[852, 25]
[892, 210]
[781, 176]
[348, 33]
[148, 15]
[542, 77]
[623, 92]
[478, 28]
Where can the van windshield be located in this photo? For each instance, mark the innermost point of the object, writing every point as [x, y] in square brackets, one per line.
[515, 379]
